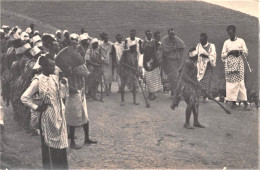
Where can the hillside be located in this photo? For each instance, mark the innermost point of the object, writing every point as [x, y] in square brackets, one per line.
[188, 18]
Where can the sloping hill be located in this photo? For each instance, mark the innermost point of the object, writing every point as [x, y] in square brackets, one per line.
[188, 18]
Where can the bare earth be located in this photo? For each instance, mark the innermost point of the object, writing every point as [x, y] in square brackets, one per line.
[139, 137]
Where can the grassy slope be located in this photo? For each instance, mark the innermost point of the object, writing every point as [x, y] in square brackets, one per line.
[188, 18]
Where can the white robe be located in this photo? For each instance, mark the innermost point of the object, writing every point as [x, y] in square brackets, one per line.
[235, 85]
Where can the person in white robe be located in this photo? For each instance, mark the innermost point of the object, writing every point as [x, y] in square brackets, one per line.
[232, 55]
[206, 62]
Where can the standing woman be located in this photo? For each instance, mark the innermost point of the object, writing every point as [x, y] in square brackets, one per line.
[151, 65]
[52, 121]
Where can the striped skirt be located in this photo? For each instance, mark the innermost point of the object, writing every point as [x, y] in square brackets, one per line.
[153, 80]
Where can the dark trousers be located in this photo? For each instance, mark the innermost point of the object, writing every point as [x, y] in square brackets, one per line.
[53, 158]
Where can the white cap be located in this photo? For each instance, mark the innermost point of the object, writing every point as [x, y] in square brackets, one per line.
[83, 37]
[35, 50]
[4, 26]
[94, 40]
[58, 31]
[25, 36]
[65, 31]
[35, 39]
[28, 30]
[74, 36]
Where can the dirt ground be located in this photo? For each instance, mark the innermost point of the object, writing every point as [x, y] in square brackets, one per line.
[139, 137]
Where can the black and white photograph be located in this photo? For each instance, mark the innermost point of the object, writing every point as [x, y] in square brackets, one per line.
[118, 84]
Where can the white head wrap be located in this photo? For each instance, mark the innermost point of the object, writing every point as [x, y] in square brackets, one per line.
[65, 31]
[74, 36]
[94, 40]
[25, 36]
[58, 31]
[35, 39]
[28, 30]
[83, 37]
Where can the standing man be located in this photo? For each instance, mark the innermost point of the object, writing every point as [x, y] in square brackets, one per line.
[117, 52]
[128, 70]
[133, 39]
[105, 50]
[58, 37]
[66, 41]
[171, 53]
[232, 52]
[206, 62]
[187, 88]
[94, 62]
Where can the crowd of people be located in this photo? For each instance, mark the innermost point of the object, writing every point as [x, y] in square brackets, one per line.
[48, 79]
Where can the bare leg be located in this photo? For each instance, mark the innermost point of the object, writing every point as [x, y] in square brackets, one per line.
[188, 114]
[195, 110]
[86, 131]
[134, 96]
[122, 90]
[73, 144]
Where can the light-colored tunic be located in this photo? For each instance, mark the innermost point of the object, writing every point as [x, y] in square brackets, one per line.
[76, 106]
[105, 50]
[234, 70]
[119, 49]
[139, 55]
[1, 115]
[53, 123]
[205, 65]
[209, 50]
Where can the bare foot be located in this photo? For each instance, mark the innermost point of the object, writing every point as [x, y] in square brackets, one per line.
[187, 125]
[198, 125]
[135, 103]
[75, 146]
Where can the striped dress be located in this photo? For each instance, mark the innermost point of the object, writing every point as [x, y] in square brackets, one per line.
[53, 123]
[54, 137]
[151, 66]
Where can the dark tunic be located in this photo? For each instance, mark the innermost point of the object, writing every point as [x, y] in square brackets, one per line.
[128, 68]
[187, 77]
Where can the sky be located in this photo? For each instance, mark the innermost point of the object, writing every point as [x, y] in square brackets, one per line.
[246, 6]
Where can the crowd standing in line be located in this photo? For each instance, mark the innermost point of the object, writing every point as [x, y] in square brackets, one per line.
[49, 93]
